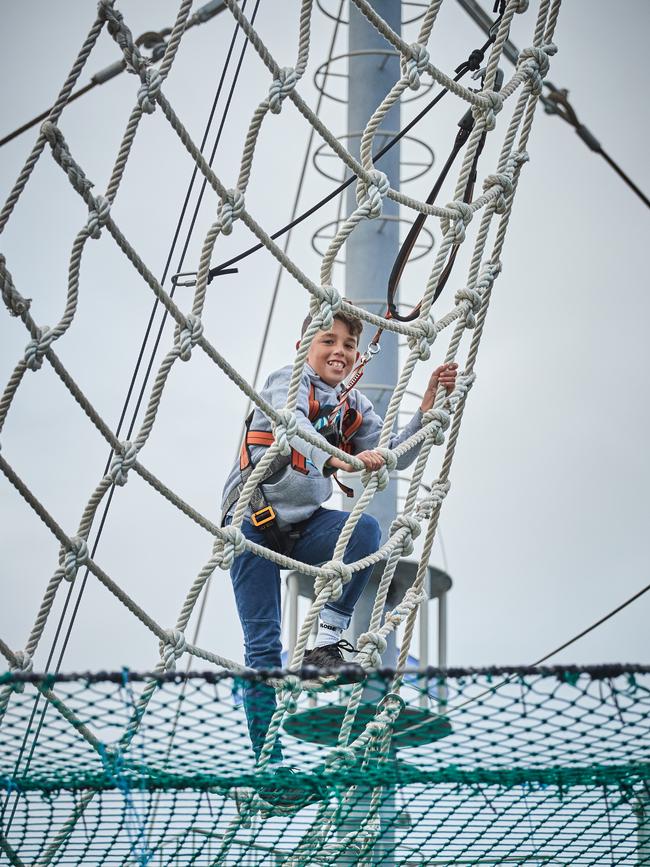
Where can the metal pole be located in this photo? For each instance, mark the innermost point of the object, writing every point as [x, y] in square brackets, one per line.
[442, 630]
[424, 643]
[370, 253]
[292, 601]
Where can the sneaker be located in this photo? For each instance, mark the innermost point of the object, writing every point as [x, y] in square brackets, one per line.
[287, 789]
[330, 657]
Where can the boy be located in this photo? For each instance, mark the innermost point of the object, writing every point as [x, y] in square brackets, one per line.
[287, 511]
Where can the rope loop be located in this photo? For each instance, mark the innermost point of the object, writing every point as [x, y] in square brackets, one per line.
[186, 338]
[284, 430]
[24, 662]
[472, 299]
[231, 544]
[36, 349]
[330, 305]
[456, 221]
[172, 648]
[335, 573]
[415, 64]
[74, 557]
[230, 209]
[372, 645]
[370, 195]
[488, 113]
[425, 335]
[98, 214]
[413, 530]
[122, 462]
[281, 87]
[151, 83]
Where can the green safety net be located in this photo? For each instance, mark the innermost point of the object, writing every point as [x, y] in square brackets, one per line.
[493, 766]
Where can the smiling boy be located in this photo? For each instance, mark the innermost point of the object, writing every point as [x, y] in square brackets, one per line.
[293, 495]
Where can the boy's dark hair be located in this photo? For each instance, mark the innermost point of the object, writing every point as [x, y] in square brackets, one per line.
[353, 323]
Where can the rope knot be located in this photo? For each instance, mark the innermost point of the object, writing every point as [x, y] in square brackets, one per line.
[14, 301]
[371, 193]
[74, 557]
[425, 333]
[36, 348]
[391, 706]
[433, 500]
[61, 153]
[502, 181]
[489, 111]
[98, 214]
[372, 645]
[186, 338]
[122, 462]
[149, 89]
[284, 430]
[290, 692]
[383, 473]
[412, 527]
[230, 209]
[231, 544]
[415, 64]
[534, 63]
[172, 648]
[456, 221]
[472, 301]
[24, 663]
[440, 419]
[335, 574]
[281, 87]
[330, 304]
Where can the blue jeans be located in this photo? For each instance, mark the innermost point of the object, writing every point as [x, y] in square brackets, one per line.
[256, 583]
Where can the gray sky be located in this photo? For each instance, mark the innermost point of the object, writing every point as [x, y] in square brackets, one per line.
[544, 527]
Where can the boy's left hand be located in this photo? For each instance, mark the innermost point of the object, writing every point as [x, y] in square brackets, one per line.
[444, 375]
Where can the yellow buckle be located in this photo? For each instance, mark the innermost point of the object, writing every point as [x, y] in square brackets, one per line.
[267, 514]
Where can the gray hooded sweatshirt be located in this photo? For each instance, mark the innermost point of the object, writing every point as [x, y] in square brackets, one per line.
[294, 495]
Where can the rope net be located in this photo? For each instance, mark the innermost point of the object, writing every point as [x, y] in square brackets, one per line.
[107, 771]
[526, 766]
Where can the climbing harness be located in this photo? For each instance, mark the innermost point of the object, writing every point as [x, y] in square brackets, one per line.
[337, 424]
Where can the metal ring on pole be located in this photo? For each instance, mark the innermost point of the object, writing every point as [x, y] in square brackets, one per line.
[424, 247]
[324, 152]
[415, 3]
[325, 74]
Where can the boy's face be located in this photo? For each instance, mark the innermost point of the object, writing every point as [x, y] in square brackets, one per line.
[332, 353]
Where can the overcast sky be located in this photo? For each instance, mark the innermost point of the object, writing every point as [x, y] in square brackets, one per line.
[545, 527]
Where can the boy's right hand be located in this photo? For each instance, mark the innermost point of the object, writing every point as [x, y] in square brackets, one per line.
[371, 459]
